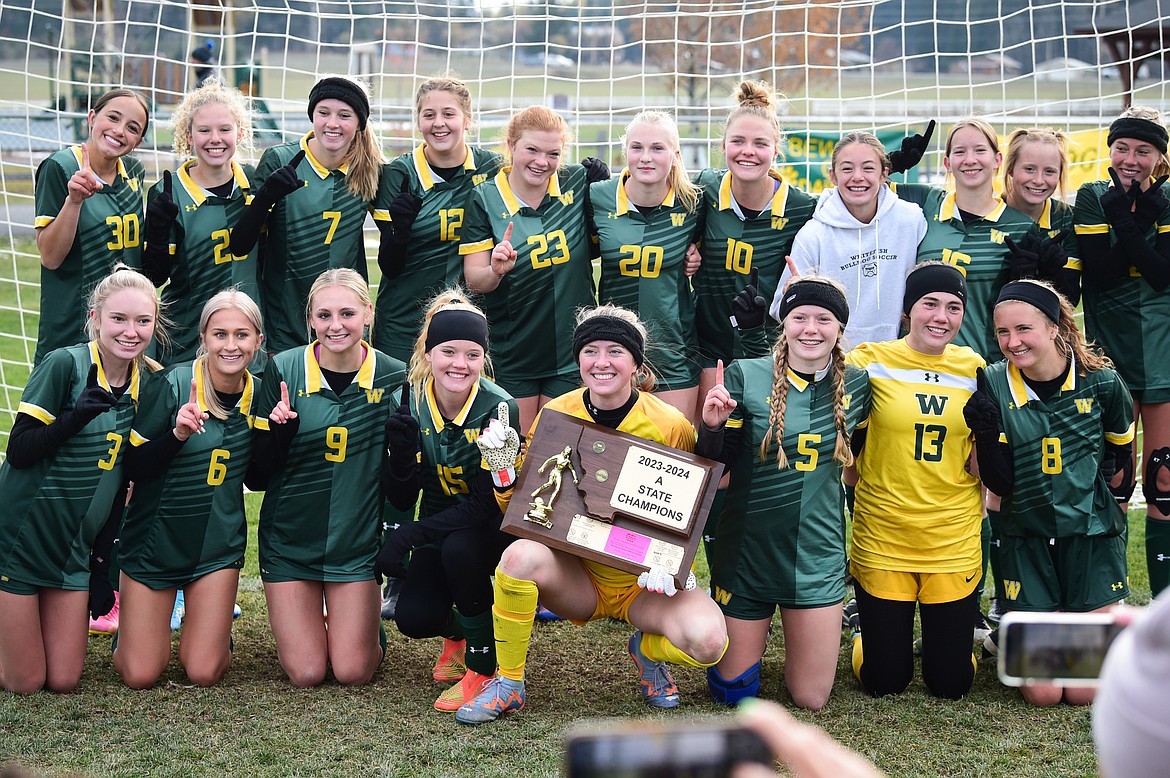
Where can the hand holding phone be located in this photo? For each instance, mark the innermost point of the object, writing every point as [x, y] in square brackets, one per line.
[1067, 649]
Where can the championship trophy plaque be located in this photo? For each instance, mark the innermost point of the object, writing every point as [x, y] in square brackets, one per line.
[612, 497]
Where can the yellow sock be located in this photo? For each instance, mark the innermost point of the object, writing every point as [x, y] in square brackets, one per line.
[658, 648]
[512, 616]
[858, 655]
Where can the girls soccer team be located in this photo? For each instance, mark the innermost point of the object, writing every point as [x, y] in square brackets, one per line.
[331, 430]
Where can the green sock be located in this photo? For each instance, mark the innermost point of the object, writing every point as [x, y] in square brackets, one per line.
[712, 525]
[992, 551]
[1158, 553]
[454, 629]
[481, 642]
[985, 545]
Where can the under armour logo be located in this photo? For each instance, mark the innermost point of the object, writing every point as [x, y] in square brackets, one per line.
[189, 208]
[1117, 586]
[1162, 557]
[474, 650]
[930, 377]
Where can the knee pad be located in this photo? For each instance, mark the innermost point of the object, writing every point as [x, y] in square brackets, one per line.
[1155, 496]
[726, 692]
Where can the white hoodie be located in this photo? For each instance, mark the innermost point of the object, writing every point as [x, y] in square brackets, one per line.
[870, 260]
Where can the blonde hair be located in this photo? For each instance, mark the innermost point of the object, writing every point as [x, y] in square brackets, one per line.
[643, 378]
[1069, 341]
[226, 300]
[757, 98]
[124, 277]
[346, 278]
[865, 139]
[981, 125]
[450, 85]
[1150, 114]
[1021, 138]
[684, 189]
[451, 299]
[212, 92]
[535, 118]
[779, 397]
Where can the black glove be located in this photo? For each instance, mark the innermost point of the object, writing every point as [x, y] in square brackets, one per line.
[402, 435]
[981, 412]
[1151, 204]
[282, 182]
[161, 213]
[749, 309]
[94, 400]
[1117, 202]
[595, 170]
[1051, 255]
[910, 154]
[1023, 259]
[403, 210]
[391, 559]
[101, 593]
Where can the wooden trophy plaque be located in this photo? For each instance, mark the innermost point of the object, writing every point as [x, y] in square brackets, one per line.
[612, 497]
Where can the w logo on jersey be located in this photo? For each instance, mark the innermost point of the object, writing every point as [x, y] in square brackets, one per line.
[779, 222]
[1011, 589]
[677, 219]
[566, 198]
[932, 404]
[997, 236]
[1084, 404]
[722, 596]
[374, 395]
[471, 435]
[478, 178]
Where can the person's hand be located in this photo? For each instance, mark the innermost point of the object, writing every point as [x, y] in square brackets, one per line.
[1150, 205]
[1023, 259]
[804, 748]
[981, 412]
[503, 255]
[283, 410]
[912, 150]
[83, 184]
[161, 213]
[793, 273]
[499, 445]
[93, 400]
[391, 559]
[660, 580]
[1051, 255]
[749, 309]
[403, 210]
[1117, 470]
[283, 181]
[718, 404]
[692, 261]
[189, 420]
[402, 435]
[595, 170]
[1117, 202]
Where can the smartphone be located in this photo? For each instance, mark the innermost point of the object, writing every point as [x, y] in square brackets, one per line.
[1062, 648]
[645, 749]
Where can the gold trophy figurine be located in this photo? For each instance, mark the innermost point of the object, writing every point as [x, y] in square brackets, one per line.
[541, 509]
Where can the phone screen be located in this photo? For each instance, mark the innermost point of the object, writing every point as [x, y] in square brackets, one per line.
[1069, 650]
[685, 751]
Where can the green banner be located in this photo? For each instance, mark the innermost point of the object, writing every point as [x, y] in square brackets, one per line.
[807, 155]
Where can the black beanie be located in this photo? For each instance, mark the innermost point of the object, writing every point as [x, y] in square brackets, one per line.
[1138, 129]
[338, 88]
[925, 279]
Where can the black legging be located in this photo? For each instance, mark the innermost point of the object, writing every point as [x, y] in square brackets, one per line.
[456, 572]
[888, 644]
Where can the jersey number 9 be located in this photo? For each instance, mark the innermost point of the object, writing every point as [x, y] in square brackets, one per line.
[335, 440]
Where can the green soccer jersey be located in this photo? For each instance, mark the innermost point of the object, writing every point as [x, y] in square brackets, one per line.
[977, 248]
[321, 515]
[532, 311]
[202, 264]
[1056, 451]
[54, 509]
[1129, 319]
[449, 457]
[643, 252]
[109, 230]
[190, 520]
[315, 228]
[732, 246]
[782, 532]
[434, 262]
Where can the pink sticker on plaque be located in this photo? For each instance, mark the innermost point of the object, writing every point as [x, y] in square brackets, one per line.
[627, 545]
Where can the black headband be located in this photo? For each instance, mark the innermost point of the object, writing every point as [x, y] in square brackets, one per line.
[456, 324]
[1138, 129]
[816, 293]
[611, 328]
[1035, 295]
[925, 279]
[337, 88]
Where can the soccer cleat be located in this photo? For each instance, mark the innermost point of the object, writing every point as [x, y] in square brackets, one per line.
[658, 688]
[450, 665]
[108, 624]
[995, 613]
[991, 644]
[500, 697]
[544, 614]
[850, 619]
[179, 611]
[390, 597]
[982, 629]
[470, 687]
[918, 647]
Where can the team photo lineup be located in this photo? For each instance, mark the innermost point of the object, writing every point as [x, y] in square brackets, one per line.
[915, 425]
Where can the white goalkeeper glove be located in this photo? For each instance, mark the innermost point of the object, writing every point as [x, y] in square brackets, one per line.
[499, 445]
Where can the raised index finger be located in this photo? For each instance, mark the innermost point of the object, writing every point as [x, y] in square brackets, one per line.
[296, 160]
[719, 372]
[194, 398]
[754, 278]
[929, 132]
[1154, 187]
[502, 413]
[167, 182]
[508, 234]
[85, 157]
[1116, 179]
[791, 266]
[284, 393]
